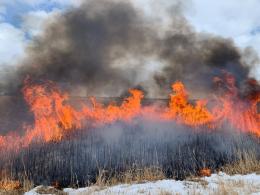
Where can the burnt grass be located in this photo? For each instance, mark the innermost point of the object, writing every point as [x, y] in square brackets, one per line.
[177, 150]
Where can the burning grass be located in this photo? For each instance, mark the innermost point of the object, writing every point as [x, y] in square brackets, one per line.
[133, 153]
[54, 118]
[70, 146]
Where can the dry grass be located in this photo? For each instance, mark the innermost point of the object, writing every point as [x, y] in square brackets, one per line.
[14, 187]
[198, 180]
[130, 176]
[225, 189]
[235, 188]
[247, 163]
[50, 190]
[9, 185]
[232, 187]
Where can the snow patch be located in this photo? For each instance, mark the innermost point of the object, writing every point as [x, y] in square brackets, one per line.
[216, 183]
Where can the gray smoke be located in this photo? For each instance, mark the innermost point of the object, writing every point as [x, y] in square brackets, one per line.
[104, 47]
[89, 47]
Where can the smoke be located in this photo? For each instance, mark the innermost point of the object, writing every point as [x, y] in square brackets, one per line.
[90, 46]
[196, 58]
[105, 47]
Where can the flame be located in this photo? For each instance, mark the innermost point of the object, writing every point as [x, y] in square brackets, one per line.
[130, 108]
[240, 113]
[54, 117]
[51, 113]
[205, 172]
[184, 112]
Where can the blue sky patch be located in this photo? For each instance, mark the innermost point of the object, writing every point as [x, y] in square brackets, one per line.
[14, 11]
[255, 31]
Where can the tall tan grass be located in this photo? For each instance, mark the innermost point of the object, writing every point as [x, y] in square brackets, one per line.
[246, 163]
[130, 176]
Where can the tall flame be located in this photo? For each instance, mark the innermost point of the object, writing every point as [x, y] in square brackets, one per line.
[54, 117]
[184, 112]
[241, 113]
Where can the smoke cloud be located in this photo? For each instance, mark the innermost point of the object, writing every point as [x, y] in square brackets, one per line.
[105, 47]
[90, 47]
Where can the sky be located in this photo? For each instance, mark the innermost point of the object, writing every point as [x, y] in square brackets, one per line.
[20, 20]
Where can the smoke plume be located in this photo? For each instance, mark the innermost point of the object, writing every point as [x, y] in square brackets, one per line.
[105, 47]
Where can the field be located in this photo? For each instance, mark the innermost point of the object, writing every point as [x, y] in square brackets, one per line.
[123, 153]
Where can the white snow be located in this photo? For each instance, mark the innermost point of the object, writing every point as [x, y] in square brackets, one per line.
[33, 191]
[220, 183]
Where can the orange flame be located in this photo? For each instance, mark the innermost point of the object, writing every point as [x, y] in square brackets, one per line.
[240, 113]
[205, 172]
[51, 114]
[54, 116]
[185, 113]
[129, 109]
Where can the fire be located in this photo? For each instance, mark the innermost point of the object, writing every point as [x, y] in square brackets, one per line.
[130, 108]
[240, 113]
[206, 172]
[51, 113]
[184, 112]
[54, 116]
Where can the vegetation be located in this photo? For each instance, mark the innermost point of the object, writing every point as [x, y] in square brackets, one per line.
[123, 153]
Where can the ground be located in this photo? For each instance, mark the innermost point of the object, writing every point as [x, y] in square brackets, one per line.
[220, 183]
